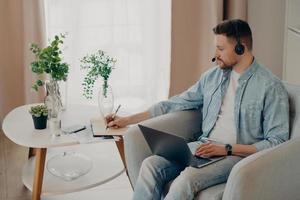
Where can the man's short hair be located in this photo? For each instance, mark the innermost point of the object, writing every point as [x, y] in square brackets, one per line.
[235, 28]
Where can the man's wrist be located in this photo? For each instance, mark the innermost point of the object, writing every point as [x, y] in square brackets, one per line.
[128, 120]
[228, 149]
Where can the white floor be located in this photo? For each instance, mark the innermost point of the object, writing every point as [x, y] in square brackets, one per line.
[118, 188]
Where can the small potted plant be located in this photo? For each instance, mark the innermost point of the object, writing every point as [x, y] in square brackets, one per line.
[99, 65]
[39, 115]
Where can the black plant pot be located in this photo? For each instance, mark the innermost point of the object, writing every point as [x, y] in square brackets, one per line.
[40, 122]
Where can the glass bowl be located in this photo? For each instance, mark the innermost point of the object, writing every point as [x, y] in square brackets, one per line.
[69, 165]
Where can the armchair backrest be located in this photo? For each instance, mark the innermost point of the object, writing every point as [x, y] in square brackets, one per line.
[294, 101]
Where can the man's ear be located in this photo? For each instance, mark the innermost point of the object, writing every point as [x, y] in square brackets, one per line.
[243, 42]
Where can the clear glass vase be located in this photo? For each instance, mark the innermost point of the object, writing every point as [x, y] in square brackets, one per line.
[105, 99]
[69, 165]
[54, 105]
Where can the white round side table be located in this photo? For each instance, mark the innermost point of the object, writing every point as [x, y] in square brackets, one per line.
[18, 127]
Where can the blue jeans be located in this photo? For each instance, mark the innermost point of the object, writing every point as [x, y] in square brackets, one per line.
[156, 172]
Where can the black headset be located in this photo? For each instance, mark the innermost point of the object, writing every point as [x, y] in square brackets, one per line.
[239, 48]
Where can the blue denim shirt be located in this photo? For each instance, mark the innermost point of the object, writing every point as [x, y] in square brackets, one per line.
[261, 108]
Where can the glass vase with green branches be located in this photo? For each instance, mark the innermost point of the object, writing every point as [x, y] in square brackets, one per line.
[48, 60]
[98, 64]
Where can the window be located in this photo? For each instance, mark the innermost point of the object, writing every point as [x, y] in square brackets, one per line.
[135, 32]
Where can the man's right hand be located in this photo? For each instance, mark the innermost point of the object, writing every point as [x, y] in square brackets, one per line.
[119, 122]
[116, 122]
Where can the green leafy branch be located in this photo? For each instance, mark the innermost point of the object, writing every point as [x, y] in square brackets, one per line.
[48, 60]
[97, 65]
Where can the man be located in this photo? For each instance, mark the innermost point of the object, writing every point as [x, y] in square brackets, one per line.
[243, 105]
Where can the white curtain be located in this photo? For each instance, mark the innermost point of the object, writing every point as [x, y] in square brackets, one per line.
[135, 32]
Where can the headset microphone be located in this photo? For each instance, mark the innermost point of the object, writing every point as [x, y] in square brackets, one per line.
[213, 59]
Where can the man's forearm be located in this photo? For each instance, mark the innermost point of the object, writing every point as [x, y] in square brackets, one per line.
[136, 118]
[243, 150]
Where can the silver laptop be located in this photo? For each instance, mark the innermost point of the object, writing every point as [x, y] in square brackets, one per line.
[174, 148]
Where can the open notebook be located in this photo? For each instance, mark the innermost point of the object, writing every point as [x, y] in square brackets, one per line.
[99, 128]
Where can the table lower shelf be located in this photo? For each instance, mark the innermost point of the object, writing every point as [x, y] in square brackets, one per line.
[107, 165]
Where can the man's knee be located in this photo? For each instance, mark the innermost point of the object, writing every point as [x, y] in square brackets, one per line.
[185, 182]
[150, 164]
[184, 186]
[191, 180]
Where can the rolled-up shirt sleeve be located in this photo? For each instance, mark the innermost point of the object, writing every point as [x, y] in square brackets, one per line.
[187, 100]
[275, 118]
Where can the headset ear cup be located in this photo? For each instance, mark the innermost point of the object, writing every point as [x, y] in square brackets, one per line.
[239, 49]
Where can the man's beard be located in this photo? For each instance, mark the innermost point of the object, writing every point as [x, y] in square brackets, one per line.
[224, 65]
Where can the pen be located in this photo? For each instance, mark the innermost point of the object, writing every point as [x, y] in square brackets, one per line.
[114, 115]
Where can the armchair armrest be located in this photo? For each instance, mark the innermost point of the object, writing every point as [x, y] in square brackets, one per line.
[182, 123]
[272, 174]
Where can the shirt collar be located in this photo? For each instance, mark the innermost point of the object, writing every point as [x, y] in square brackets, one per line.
[226, 72]
[248, 73]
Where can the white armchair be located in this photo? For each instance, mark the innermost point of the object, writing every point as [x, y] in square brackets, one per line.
[272, 174]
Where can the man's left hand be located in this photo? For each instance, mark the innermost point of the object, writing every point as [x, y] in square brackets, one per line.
[210, 149]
